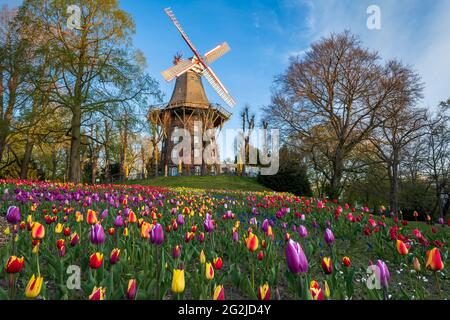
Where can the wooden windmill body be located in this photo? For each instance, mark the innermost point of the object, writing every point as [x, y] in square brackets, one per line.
[190, 109]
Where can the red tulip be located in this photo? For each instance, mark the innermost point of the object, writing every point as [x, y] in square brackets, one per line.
[96, 260]
[14, 264]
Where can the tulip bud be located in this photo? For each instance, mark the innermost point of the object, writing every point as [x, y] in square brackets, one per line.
[14, 264]
[416, 264]
[114, 257]
[217, 262]
[327, 265]
[178, 281]
[202, 257]
[96, 260]
[401, 248]
[219, 293]
[251, 242]
[13, 215]
[131, 289]
[37, 231]
[434, 261]
[74, 239]
[33, 288]
[260, 256]
[176, 252]
[98, 294]
[209, 271]
[295, 258]
[346, 261]
[264, 292]
[329, 237]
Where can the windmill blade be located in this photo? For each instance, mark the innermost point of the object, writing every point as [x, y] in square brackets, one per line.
[216, 53]
[178, 69]
[183, 34]
[218, 87]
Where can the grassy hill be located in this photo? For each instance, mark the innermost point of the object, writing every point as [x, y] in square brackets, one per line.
[207, 182]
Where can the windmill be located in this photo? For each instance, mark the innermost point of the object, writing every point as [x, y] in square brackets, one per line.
[189, 107]
[199, 64]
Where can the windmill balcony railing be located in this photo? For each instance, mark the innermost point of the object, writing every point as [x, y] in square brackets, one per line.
[214, 106]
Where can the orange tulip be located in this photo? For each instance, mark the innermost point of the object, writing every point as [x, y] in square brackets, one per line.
[252, 242]
[91, 217]
[402, 249]
[434, 261]
[37, 231]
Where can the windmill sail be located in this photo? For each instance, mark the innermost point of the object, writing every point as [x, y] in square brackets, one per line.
[216, 53]
[218, 87]
[178, 69]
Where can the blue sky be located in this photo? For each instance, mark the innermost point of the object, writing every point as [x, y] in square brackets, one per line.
[263, 34]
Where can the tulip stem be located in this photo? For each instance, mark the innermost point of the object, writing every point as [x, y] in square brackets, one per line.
[438, 285]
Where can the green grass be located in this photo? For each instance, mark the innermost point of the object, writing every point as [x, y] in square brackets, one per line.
[206, 182]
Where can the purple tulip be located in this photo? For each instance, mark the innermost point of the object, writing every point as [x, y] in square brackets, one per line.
[235, 236]
[302, 231]
[157, 234]
[173, 211]
[265, 225]
[302, 217]
[314, 224]
[441, 220]
[13, 215]
[383, 273]
[118, 222]
[254, 212]
[208, 224]
[329, 236]
[104, 214]
[295, 258]
[229, 214]
[180, 219]
[97, 234]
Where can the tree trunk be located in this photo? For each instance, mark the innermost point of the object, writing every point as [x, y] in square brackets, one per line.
[3, 134]
[54, 165]
[393, 179]
[26, 159]
[107, 168]
[334, 190]
[74, 166]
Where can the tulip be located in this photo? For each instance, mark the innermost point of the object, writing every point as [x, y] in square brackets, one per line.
[217, 262]
[302, 231]
[176, 252]
[264, 292]
[208, 224]
[97, 234]
[37, 231]
[180, 219]
[14, 264]
[118, 222]
[201, 237]
[60, 243]
[315, 290]
[62, 251]
[98, 294]
[252, 242]
[132, 217]
[265, 225]
[13, 215]
[401, 247]
[346, 261]
[434, 261]
[114, 257]
[125, 232]
[111, 231]
[235, 236]
[96, 260]
[260, 256]
[157, 235]
[33, 287]
[416, 264]
[178, 281]
[202, 257]
[91, 217]
[327, 290]
[295, 258]
[329, 237]
[131, 289]
[219, 293]
[59, 228]
[104, 214]
[74, 239]
[209, 271]
[383, 273]
[145, 230]
[327, 265]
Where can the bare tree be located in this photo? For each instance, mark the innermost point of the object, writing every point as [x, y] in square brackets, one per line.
[337, 88]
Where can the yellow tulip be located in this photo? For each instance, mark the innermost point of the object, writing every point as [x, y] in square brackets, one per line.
[33, 287]
[209, 271]
[202, 257]
[59, 228]
[178, 281]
